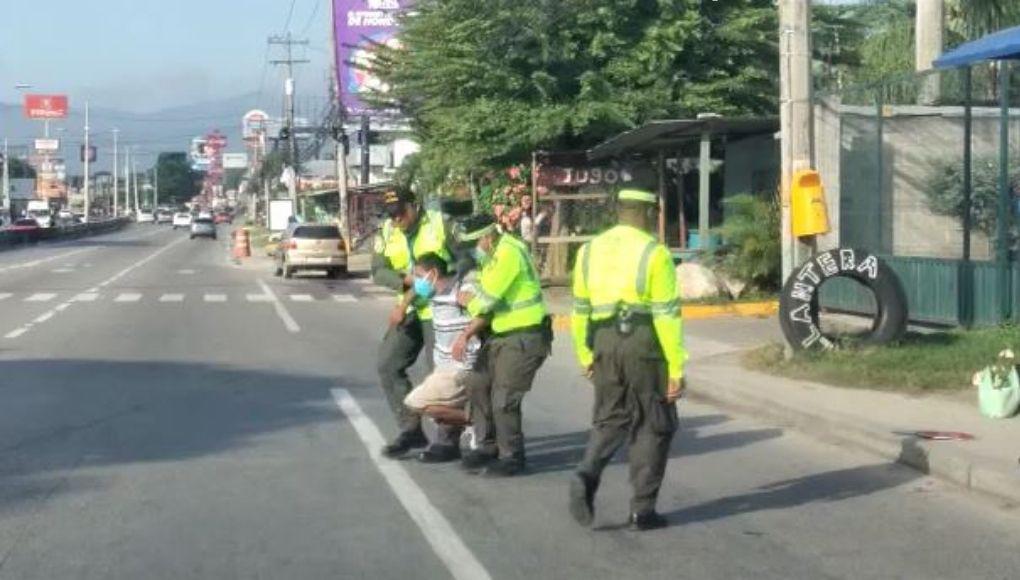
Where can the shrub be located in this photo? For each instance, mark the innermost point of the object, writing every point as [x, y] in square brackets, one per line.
[750, 232]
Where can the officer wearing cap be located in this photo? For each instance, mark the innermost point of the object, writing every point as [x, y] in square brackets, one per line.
[510, 305]
[628, 338]
[409, 232]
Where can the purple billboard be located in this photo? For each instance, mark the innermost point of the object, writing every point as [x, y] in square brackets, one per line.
[361, 25]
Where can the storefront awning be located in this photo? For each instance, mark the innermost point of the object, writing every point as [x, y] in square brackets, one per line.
[1002, 45]
[670, 134]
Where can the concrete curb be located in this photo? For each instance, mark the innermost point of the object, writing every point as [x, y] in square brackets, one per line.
[925, 456]
[561, 322]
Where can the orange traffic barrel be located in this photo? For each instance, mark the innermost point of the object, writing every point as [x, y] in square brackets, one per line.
[242, 244]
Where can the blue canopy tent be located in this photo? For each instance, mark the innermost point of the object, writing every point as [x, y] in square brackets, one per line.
[1002, 46]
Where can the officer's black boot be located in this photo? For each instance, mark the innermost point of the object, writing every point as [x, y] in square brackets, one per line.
[477, 459]
[648, 520]
[582, 498]
[440, 454]
[506, 467]
[406, 441]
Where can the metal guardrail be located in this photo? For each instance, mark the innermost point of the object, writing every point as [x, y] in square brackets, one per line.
[10, 239]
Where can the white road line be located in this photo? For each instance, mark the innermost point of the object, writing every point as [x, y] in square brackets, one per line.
[301, 298]
[344, 298]
[16, 333]
[86, 297]
[62, 307]
[139, 264]
[63, 270]
[5, 295]
[128, 297]
[384, 298]
[258, 298]
[41, 297]
[172, 298]
[361, 281]
[186, 272]
[448, 546]
[215, 297]
[41, 261]
[44, 317]
[377, 290]
[281, 310]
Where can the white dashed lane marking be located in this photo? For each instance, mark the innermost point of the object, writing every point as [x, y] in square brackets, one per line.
[5, 296]
[86, 297]
[215, 297]
[344, 298]
[172, 298]
[128, 297]
[41, 297]
[302, 298]
[259, 298]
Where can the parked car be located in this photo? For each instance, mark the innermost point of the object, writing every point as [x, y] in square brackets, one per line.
[312, 247]
[182, 219]
[203, 227]
[145, 217]
[23, 225]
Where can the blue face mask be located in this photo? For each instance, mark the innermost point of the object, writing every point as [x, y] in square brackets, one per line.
[424, 288]
[481, 258]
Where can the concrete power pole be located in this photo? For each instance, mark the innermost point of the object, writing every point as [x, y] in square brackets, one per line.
[289, 62]
[931, 16]
[115, 132]
[134, 180]
[5, 194]
[795, 113]
[86, 154]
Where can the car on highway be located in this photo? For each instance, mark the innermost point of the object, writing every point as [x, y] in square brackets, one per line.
[312, 247]
[182, 219]
[145, 217]
[164, 217]
[223, 218]
[203, 228]
[23, 225]
[205, 214]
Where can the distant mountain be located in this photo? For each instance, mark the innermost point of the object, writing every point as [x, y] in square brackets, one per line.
[166, 130]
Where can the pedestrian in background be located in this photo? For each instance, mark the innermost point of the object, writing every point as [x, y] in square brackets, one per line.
[409, 232]
[629, 340]
[508, 302]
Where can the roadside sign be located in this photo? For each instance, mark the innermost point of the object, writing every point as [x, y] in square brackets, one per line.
[45, 106]
[280, 212]
[91, 153]
[235, 161]
[47, 144]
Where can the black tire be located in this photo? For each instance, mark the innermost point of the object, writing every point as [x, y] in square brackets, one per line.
[333, 273]
[278, 271]
[342, 270]
[288, 273]
[799, 308]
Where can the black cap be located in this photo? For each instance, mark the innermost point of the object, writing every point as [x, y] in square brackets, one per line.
[396, 200]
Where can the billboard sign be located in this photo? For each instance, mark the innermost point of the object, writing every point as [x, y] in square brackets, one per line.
[47, 144]
[254, 124]
[45, 106]
[235, 161]
[360, 26]
[91, 154]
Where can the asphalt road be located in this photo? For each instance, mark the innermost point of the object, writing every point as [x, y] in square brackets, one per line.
[167, 414]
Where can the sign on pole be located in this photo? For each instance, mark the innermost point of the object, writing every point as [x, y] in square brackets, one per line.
[361, 26]
[45, 106]
[47, 144]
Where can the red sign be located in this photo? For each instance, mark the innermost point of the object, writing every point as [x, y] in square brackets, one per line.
[46, 106]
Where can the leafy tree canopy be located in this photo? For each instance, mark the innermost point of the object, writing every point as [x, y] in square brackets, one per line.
[486, 83]
[178, 182]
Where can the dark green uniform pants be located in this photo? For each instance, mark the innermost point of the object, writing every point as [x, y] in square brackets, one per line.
[509, 365]
[630, 385]
[397, 353]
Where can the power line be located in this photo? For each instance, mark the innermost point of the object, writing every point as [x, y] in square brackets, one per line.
[311, 19]
[290, 15]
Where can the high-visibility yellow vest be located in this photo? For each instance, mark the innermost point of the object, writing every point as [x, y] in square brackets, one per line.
[401, 252]
[627, 268]
[509, 288]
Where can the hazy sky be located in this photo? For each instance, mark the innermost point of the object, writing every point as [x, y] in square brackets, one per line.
[146, 55]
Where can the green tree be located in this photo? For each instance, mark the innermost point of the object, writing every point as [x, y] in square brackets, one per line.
[486, 83]
[178, 182]
[19, 169]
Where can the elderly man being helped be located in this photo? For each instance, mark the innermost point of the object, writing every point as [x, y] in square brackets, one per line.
[443, 395]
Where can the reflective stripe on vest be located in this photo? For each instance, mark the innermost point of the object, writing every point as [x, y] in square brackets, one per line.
[606, 300]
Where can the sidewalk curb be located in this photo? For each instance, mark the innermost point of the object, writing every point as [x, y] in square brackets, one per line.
[703, 312]
[925, 456]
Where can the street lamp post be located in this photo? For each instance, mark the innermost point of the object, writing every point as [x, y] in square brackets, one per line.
[86, 154]
[115, 132]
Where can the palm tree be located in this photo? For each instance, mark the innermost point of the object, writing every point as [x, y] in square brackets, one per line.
[971, 19]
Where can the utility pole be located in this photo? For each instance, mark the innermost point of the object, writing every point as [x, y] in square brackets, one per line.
[127, 179]
[115, 132]
[6, 193]
[366, 150]
[134, 174]
[155, 191]
[289, 42]
[930, 26]
[87, 154]
[795, 113]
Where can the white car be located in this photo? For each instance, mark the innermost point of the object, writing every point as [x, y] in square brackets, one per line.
[205, 215]
[146, 217]
[182, 219]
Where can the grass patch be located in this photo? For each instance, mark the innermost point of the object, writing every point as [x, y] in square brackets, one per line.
[921, 363]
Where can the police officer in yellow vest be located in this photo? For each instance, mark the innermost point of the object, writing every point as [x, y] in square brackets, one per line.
[628, 337]
[509, 303]
[409, 232]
